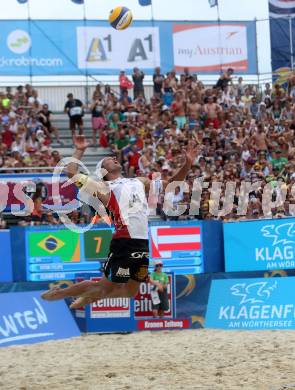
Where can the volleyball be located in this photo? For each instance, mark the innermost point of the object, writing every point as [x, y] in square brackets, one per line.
[120, 18]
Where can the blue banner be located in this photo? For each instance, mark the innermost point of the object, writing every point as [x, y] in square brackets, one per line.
[5, 259]
[261, 245]
[282, 26]
[25, 319]
[42, 48]
[251, 304]
[281, 45]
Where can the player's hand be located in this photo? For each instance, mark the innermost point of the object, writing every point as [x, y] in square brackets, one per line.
[191, 152]
[81, 143]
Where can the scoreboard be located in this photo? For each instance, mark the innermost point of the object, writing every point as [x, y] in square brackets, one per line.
[60, 254]
[49, 253]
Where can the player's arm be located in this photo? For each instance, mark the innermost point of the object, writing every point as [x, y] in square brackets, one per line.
[84, 182]
[180, 175]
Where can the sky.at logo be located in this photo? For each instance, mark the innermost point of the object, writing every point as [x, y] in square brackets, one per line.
[19, 41]
[279, 244]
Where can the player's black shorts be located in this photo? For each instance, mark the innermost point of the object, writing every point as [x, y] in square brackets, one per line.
[128, 259]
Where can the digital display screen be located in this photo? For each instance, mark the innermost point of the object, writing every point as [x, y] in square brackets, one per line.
[56, 253]
[60, 254]
[178, 246]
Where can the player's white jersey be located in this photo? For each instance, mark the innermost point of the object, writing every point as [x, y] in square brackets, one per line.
[129, 207]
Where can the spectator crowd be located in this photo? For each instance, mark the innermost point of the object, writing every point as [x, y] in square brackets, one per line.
[26, 131]
[243, 134]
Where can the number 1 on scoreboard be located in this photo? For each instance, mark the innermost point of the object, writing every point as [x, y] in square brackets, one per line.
[98, 244]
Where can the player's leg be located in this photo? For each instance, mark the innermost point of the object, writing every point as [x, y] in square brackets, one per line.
[123, 273]
[118, 290]
[101, 287]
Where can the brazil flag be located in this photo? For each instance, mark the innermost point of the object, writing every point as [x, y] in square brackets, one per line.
[63, 244]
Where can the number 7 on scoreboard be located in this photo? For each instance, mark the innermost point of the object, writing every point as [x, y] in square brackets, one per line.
[98, 244]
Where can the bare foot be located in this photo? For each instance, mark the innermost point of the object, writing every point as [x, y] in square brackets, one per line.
[53, 294]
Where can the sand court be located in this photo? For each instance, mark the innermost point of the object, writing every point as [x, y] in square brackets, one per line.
[193, 359]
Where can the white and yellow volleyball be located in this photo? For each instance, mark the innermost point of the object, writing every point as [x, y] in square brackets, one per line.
[120, 18]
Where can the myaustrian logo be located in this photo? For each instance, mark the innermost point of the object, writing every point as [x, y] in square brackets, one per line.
[279, 250]
[253, 307]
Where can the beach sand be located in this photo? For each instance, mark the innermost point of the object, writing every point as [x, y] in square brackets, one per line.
[193, 359]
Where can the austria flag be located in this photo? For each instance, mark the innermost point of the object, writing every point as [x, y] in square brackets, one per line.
[168, 239]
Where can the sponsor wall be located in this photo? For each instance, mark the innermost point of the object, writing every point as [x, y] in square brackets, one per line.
[42, 48]
[191, 299]
[259, 245]
[25, 319]
[251, 304]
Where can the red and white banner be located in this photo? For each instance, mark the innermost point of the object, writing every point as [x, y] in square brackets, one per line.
[143, 301]
[164, 324]
[210, 47]
[110, 308]
[167, 239]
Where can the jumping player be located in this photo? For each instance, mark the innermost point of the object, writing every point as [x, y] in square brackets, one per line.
[128, 260]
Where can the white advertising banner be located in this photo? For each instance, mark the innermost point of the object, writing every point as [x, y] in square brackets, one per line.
[210, 47]
[110, 308]
[106, 48]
